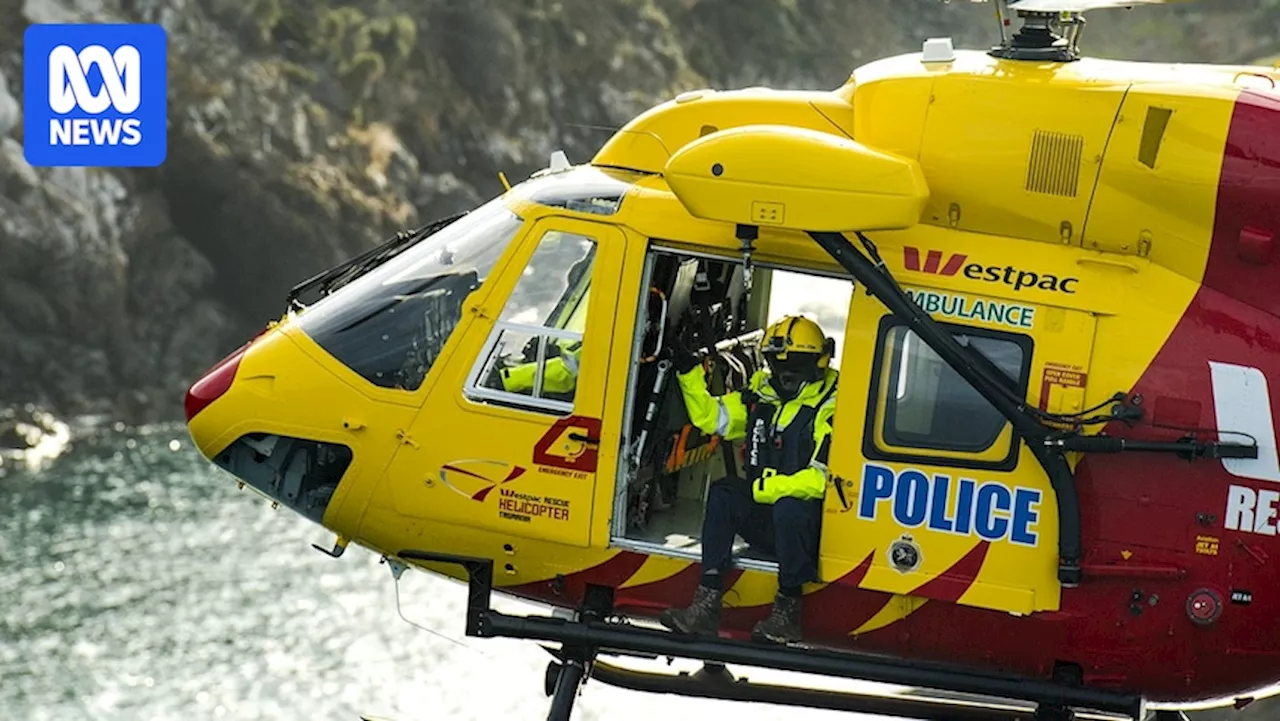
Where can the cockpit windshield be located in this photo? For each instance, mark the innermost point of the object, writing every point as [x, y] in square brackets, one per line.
[390, 324]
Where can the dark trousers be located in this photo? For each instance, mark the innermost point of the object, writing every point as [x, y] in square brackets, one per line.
[787, 529]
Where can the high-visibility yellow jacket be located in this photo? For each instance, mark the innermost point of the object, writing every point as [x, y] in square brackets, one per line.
[787, 441]
[560, 374]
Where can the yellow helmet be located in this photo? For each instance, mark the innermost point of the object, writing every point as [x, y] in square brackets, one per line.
[797, 334]
[797, 352]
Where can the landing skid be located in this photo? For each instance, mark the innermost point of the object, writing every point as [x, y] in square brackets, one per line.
[591, 635]
[713, 680]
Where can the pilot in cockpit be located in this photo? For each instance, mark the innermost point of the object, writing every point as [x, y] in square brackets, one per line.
[559, 375]
[557, 304]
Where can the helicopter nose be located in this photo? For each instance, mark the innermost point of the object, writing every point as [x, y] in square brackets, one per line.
[280, 415]
[215, 381]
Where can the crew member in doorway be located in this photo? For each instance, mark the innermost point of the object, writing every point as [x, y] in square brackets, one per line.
[785, 415]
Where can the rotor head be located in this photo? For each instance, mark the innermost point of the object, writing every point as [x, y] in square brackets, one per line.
[1050, 29]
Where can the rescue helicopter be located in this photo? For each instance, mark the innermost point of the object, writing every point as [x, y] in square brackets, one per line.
[1050, 283]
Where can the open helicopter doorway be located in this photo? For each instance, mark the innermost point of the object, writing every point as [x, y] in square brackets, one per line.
[666, 464]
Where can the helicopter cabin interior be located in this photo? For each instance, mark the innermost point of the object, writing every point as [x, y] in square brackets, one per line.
[666, 465]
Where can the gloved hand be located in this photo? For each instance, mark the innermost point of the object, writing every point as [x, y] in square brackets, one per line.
[682, 356]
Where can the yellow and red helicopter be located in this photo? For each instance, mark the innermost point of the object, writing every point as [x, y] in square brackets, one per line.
[1053, 284]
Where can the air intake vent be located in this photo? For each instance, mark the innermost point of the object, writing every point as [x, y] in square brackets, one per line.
[1054, 165]
[1153, 135]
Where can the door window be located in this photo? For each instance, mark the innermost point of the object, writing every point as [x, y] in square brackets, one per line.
[925, 405]
[531, 359]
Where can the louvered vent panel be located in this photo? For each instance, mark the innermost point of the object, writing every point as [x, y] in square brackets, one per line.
[1054, 165]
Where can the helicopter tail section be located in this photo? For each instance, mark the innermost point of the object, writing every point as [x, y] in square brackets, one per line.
[1241, 263]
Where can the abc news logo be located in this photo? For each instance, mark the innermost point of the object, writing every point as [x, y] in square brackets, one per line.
[69, 89]
[95, 95]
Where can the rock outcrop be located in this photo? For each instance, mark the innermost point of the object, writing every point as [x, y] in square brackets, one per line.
[301, 132]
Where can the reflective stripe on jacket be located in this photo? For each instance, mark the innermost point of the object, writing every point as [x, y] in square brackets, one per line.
[786, 455]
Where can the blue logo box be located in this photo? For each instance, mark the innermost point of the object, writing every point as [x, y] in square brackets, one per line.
[95, 95]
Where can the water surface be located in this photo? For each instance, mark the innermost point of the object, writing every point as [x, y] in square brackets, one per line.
[138, 584]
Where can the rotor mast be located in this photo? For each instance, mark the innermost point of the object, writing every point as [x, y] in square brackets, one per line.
[1052, 37]
[1050, 30]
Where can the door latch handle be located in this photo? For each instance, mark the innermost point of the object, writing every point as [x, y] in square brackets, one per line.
[583, 438]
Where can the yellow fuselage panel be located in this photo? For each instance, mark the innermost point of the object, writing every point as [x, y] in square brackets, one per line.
[1018, 161]
[286, 385]
[1158, 189]
[649, 140]
[1114, 156]
[829, 183]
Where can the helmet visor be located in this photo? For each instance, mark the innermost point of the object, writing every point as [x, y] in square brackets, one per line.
[788, 376]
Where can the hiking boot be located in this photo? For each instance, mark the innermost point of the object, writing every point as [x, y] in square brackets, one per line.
[701, 617]
[783, 623]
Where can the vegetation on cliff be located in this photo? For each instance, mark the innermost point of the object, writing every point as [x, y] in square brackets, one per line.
[302, 131]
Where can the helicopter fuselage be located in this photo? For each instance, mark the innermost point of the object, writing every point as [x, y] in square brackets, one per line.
[1090, 228]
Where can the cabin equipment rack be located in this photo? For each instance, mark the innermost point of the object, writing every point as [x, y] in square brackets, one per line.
[586, 637]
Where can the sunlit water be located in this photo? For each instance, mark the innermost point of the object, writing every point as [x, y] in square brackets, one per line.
[137, 583]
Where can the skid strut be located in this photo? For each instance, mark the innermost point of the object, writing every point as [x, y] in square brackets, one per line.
[588, 636]
[565, 677]
[568, 679]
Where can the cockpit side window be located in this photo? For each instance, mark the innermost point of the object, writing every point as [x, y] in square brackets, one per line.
[531, 359]
[554, 283]
[391, 324]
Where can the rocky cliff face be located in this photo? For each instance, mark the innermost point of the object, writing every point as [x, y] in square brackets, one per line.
[303, 131]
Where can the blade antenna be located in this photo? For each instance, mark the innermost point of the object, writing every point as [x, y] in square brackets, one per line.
[1079, 30]
[1002, 15]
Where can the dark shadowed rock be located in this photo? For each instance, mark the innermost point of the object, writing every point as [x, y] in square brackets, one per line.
[304, 131]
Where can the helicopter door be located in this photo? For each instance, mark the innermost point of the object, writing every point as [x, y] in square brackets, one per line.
[938, 499]
[511, 442]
